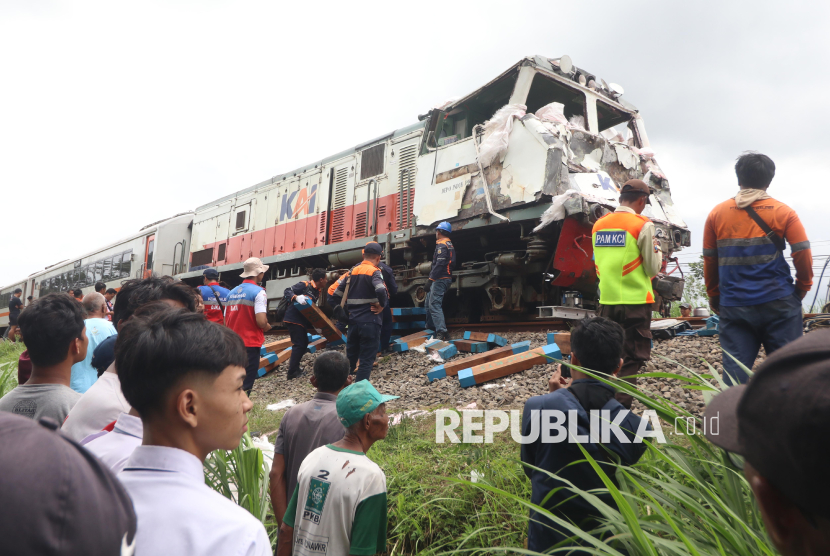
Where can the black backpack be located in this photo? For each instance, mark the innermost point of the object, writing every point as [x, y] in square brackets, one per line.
[282, 308]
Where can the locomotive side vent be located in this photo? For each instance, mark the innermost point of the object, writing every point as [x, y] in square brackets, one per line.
[338, 217]
[360, 225]
[406, 169]
[220, 256]
[205, 256]
[371, 161]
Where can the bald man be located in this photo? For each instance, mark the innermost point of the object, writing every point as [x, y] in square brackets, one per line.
[98, 329]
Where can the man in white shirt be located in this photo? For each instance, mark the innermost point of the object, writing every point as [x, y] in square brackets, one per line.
[101, 405]
[339, 504]
[115, 447]
[183, 374]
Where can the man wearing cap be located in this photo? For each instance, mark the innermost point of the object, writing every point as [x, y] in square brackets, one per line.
[214, 296]
[57, 499]
[247, 315]
[440, 280]
[365, 301]
[305, 292]
[627, 257]
[339, 504]
[785, 451]
[685, 310]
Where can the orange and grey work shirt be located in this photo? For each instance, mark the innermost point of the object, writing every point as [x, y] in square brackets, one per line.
[366, 286]
[442, 260]
[741, 265]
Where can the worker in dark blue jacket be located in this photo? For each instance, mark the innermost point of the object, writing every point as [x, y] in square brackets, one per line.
[596, 343]
[391, 289]
[305, 293]
[365, 302]
[440, 280]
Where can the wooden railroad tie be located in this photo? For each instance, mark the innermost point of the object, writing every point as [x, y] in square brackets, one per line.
[485, 337]
[408, 342]
[320, 321]
[443, 349]
[452, 369]
[508, 366]
[471, 346]
[561, 339]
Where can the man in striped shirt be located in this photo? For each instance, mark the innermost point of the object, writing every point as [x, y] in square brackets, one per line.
[748, 280]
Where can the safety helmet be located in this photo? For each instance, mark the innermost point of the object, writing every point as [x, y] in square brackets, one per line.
[444, 227]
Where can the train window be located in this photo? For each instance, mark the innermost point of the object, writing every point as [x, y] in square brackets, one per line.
[75, 278]
[107, 270]
[220, 255]
[99, 267]
[608, 117]
[371, 161]
[484, 104]
[544, 90]
[240, 220]
[82, 280]
[125, 264]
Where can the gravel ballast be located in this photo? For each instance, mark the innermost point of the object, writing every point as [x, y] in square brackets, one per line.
[404, 375]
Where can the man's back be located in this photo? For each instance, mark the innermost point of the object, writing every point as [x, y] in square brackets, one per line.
[215, 298]
[339, 505]
[743, 266]
[303, 429]
[83, 374]
[178, 514]
[40, 400]
[97, 408]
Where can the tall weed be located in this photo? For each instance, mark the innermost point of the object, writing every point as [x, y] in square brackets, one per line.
[683, 497]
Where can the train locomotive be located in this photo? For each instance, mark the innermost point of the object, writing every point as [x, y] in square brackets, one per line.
[564, 171]
[521, 168]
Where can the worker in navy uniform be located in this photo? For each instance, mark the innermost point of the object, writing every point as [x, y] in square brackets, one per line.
[334, 301]
[391, 289]
[440, 280]
[305, 293]
[365, 302]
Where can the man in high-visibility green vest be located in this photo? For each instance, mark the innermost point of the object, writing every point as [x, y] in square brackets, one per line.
[627, 257]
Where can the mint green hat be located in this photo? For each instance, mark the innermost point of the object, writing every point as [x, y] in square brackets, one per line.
[358, 399]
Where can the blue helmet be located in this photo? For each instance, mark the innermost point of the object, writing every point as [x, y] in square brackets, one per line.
[444, 227]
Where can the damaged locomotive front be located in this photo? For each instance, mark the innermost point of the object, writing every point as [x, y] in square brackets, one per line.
[522, 168]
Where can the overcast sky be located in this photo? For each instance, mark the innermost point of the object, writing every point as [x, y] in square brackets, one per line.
[114, 115]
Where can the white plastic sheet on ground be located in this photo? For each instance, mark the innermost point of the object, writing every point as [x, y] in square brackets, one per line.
[266, 446]
[285, 404]
[497, 133]
[396, 418]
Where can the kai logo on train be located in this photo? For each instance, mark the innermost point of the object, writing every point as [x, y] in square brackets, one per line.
[610, 239]
[298, 203]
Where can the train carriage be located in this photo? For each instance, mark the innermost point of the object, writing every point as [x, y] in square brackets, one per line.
[396, 188]
[158, 248]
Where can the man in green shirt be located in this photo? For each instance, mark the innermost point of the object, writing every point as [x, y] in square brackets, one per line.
[339, 504]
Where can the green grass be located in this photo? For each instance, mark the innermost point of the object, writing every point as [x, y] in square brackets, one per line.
[9, 354]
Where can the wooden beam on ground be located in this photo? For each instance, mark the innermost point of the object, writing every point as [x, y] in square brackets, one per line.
[561, 339]
[471, 346]
[443, 349]
[318, 320]
[408, 342]
[451, 369]
[411, 325]
[276, 346]
[282, 357]
[406, 311]
[508, 366]
[485, 337]
[317, 345]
